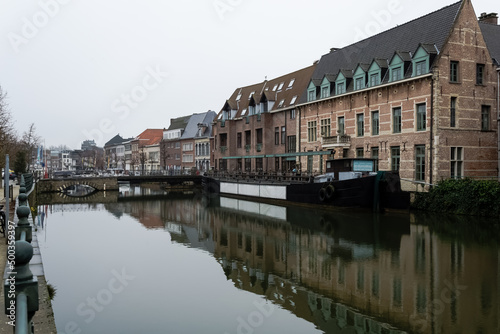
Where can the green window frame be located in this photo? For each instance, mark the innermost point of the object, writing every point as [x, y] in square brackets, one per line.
[421, 117]
[311, 131]
[421, 67]
[341, 125]
[396, 74]
[360, 122]
[375, 123]
[485, 118]
[360, 83]
[453, 106]
[325, 91]
[396, 120]
[341, 88]
[457, 162]
[420, 162]
[311, 95]
[395, 158]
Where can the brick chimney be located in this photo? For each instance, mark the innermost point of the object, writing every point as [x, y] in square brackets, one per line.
[491, 18]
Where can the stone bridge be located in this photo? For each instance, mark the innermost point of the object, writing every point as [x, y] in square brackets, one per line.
[59, 185]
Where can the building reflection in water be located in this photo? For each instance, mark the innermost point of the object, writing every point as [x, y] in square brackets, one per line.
[344, 271]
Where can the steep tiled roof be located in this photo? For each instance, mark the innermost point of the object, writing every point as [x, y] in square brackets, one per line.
[150, 137]
[430, 30]
[491, 34]
[284, 90]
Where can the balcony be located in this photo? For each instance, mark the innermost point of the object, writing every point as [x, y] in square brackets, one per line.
[336, 141]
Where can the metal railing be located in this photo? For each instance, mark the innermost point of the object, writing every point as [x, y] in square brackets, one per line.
[20, 286]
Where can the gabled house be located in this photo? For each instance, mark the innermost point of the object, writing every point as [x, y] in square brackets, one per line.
[170, 146]
[146, 148]
[195, 142]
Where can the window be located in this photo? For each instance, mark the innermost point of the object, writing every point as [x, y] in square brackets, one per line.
[177, 145]
[453, 105]
[479, 74]
[281, 86]
[374, 79]
[281, 103]
[311, 131]
[325, 92]
[276, 136]
[421, 112]
[291, 83]
[341, 126]
[375, 156]
[283, 135]
[275, 87]
[292, 114]
[187, 147]
[375, 123]
[360, 152]
[249, 96]
[238, 140]
[395, 158]
[453, 71]
[485, 118]
[360, 125]
[311, 95]
[340, 88]
[292, 144]
[457, 162]
[187, 158]
[325, 127]
[238, 97]
[248, 138]
[396, 120]
[293, 100]
[421, 67]
[420, 162]
[360, 83]
[396, 74]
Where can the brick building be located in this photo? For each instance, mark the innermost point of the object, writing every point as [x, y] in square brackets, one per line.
[421, 98]
[256, 130]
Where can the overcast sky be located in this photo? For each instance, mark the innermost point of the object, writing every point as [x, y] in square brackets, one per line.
[87, 69]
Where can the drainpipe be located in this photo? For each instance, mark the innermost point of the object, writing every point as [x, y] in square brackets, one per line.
[431, 133]
[498, 120]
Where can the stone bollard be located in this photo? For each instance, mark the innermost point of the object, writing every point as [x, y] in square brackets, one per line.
[21, 289]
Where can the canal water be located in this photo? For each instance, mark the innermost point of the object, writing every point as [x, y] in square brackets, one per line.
[149, 261]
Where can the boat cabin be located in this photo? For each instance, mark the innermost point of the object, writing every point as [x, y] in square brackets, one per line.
[348, 168]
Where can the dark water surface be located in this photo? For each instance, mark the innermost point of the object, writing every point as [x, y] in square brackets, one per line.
[158, 263]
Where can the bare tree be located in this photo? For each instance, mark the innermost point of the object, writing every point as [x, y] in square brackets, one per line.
[30, 141]
[8, 136]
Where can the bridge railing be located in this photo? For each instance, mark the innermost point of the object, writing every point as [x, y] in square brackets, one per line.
[20, 286]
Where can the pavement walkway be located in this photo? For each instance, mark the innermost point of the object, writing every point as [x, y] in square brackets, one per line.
[43, 320]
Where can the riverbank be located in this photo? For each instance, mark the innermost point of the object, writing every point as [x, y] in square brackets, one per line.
[43, 320]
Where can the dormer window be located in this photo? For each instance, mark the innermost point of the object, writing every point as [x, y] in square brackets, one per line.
[249, 96]
[422, 59]
[281, 86]
[325, 92]
[311, 95]
[341, 88]
[291, 83]
[374, 79]
[244, 112]
[281, 103]
[360, 83]
[251, 110]
[421, 67]
[396, 74]
[293, 99]
[275, 87]
[238, 97]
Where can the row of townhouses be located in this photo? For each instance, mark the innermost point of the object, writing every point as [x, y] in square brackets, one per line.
[421, 98]
[183, 147]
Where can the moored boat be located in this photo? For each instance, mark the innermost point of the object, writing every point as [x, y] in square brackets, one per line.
[350, 182]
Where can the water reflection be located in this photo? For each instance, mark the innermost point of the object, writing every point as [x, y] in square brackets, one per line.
[345, 272]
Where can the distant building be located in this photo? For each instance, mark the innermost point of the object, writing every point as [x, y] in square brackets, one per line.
[88, 145]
